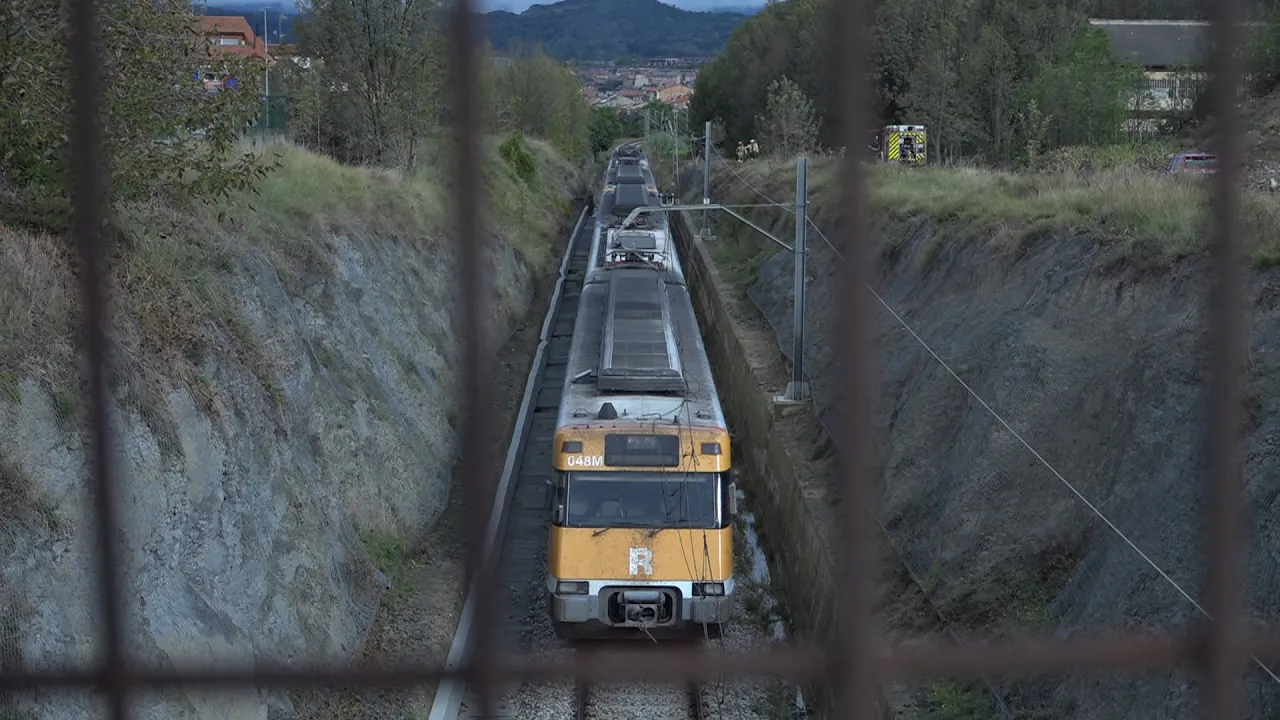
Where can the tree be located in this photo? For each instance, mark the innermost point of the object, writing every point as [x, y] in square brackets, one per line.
[788, 126]
[1085, 94]
[996, 92]
[384, 60]
[542, 97]
[163, 133]
[632, 123]
[933, 94]
[606, 126]
[1262, 51]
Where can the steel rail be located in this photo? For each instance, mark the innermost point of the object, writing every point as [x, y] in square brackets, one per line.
[449, 693]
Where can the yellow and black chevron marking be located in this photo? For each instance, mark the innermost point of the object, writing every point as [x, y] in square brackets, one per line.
[895, 147]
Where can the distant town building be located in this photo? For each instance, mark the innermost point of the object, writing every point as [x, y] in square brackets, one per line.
[1174, 57]
[228, 37]
[231, 36]
[675, 95]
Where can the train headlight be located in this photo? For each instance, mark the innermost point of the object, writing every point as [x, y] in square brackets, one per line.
[708, 589]
[571, 587]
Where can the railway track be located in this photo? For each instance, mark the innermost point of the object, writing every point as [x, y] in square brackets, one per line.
[518, 527]
[632, 701]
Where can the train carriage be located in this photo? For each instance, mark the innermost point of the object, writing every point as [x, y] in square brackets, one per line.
[643, 496]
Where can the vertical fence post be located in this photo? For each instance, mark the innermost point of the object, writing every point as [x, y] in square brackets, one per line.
[798, 389]
[88, 196]
[1227, 334]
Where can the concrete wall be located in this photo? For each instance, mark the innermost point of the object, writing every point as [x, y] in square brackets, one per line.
[801, 559]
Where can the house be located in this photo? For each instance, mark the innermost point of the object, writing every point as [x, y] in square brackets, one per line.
[618, 101]
[675, 95]
[1174, 56]
[231, 36]
[227, 37]
[288, 51]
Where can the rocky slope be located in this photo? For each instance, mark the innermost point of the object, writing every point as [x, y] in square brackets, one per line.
[284, 377]
[1094, 351]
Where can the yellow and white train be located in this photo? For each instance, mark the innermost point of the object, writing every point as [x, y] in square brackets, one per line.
[644, 493]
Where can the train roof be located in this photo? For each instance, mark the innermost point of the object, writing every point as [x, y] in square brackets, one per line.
[647, 243]
[629, 197]
[636, 345]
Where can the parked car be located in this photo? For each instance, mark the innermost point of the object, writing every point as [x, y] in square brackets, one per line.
[1193, 163]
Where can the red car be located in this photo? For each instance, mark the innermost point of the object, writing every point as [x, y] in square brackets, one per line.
[1193, 163]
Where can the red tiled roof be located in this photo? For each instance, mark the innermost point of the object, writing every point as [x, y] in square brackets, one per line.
[224, 25]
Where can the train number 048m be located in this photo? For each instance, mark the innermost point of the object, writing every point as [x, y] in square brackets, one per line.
[584, 461]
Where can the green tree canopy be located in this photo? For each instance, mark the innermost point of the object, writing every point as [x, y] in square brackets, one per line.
[606, 126]
[163, 132]
[1083, 94]
[542, 97]
[788, 126]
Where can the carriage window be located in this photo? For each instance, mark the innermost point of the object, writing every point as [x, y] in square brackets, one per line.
[644, 500]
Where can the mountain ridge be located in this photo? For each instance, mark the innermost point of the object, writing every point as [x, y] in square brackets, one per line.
[566, 30]
[609, 29]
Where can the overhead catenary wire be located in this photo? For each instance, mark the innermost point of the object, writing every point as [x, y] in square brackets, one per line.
[1115, 529]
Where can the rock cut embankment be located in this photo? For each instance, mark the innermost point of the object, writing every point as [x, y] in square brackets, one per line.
[1096, 354]
[302, 414]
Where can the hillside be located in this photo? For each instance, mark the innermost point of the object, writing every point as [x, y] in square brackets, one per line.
[1073, 306]
[282, 399]
[608, 29]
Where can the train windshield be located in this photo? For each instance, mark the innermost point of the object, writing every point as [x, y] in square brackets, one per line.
[640, 499]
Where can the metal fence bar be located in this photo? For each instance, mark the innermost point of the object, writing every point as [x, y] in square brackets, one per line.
[857, 662]
[475, 360]
[89, 202]
[1024, 658]
[854, 666]
[1223, 659]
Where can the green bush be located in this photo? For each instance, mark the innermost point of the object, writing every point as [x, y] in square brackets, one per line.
[518, 157]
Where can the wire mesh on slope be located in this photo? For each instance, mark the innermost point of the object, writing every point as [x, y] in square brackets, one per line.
[855, 661]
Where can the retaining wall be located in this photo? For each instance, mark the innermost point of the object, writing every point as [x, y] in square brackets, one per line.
[800, 562]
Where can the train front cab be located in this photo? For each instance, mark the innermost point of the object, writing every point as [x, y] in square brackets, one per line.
[641, 551]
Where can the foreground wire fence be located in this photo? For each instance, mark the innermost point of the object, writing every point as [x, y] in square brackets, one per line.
[855, 662]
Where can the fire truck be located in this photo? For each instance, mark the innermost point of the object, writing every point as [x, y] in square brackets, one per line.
[905, 144]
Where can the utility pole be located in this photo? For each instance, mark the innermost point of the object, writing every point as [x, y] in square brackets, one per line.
[706, 174]
[672, 128]
[266, 64]
[797, 389]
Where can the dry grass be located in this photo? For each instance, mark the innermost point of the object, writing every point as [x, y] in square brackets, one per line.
[1135, 206]
[21, 511]
[37, 299]
[168, 293]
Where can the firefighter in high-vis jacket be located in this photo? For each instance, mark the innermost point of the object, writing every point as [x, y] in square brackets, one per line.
[753, 148]
[742, 151]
